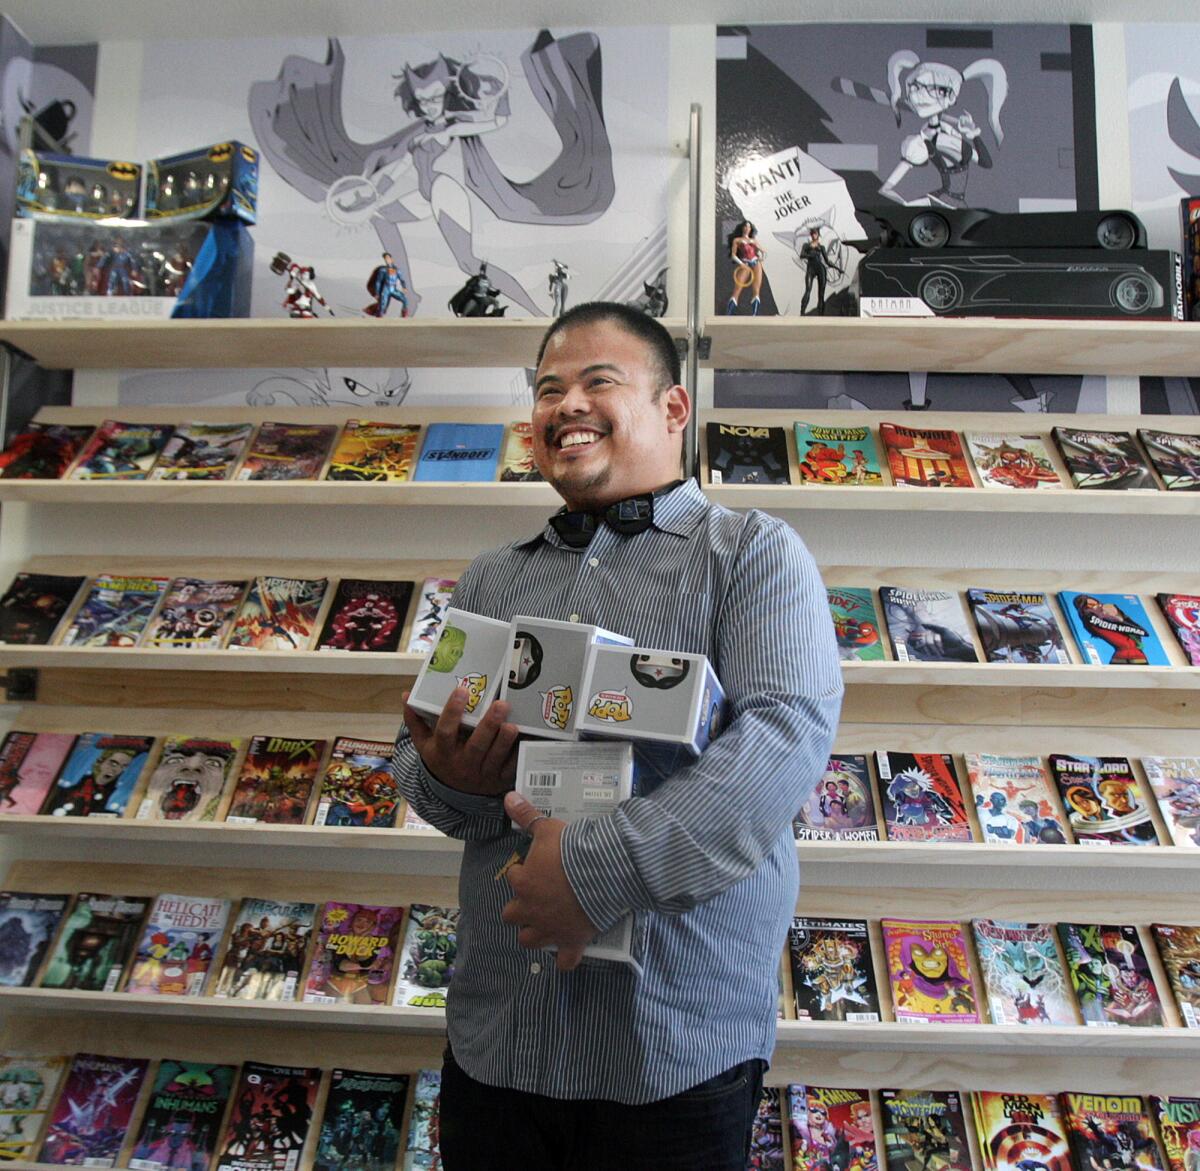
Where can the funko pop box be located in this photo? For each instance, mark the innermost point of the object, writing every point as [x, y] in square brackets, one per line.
[218, 182]
[471, 651]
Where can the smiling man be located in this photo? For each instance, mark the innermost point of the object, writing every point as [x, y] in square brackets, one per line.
[562, 1063]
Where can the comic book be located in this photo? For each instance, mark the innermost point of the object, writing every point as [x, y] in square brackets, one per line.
[1013, 800]
[1022, 973]
[1110, 1130]
[353, 954]
[358, 788]
[267, 948]
[363, 1121]
[100, 775]
[43, 451]
[460, 452]
[1175, 782]
[747, 455]
[195, 614]
[421, 1151]
[202, 451]
[1179, 1125]
[833, 978]
[366, 616]
[27, 1087]
[414, 821]
[922, 800]
[182, 1122]
[188, 780]
[375, 451]
[837, 455]
[29, 762]
[517, 461]
[1183, 615]
[33, 606]
[928, 626]
[842, 806]
[1007, 461]
[426, 957]
[929, 971]
[288, 451]
[831, 1128]
[94, 1110]
[1020, 1131]
[1103, 459]
[1112, 629]
[922, 458]
[115, 611]
[28, 924]
[1175, 457]
[96, 943]
[1179, 948]
[276, 780]
[179, 939]
[855, 623]
[1104, 802]
[924, 1130]
[269, 1121]
[1111, 977]
[1017, 627]
[121, 451]
[433, 600]
[279, 614]
[767, 1150]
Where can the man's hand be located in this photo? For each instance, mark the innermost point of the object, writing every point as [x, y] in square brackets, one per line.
[481, 761]
[545, 907]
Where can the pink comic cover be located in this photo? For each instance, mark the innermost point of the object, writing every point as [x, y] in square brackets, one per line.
[29, 762]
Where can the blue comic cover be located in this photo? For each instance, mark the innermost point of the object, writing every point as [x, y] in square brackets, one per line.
[1113, 629]
[99, 776]
[122, 451]
[460, 451]
[28, 923]
[115, 611]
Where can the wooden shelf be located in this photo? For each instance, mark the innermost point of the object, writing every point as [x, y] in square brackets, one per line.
[242, 662]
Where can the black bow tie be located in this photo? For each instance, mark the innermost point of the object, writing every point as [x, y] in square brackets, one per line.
[634, 514]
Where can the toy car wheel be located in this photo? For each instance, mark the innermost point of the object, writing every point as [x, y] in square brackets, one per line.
[941, 291]
[1132, 293]
[929, 230]
[1116, 232]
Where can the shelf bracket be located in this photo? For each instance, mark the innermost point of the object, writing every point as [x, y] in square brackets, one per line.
[20, 684]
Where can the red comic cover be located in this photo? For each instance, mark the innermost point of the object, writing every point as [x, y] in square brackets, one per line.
[922, 801]
[925, 458]
[929, 971]
[43, 451]
[269, 1119]
[1020, 1130]
[276, 780]
[366, 616]
[831, 1128]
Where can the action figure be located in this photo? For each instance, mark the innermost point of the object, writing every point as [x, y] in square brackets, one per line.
[120, 273]
[747, 257]
[558, 288]
[478, 297]
[386, 285]
[815, 258]
[301, 291]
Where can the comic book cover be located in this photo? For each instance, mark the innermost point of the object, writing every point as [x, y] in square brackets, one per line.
[96, 943]
[288, 451]
[1022, 973]
[179, 939]
[433, 600]
[833, 978]
[928, 626]
[115, 611]
[266, 952]
[43, 451]
[922, 801]
[202, 451]
[831, 1128]
[1013, 800]
[33, 606]
[28, 923]
[276, 780]
[366, 616]
[99, 776]
[1012, 461]
[363, 1121]
[1110, 1130]
[358, 788]
[375, 451]
[195, 614]
[414, 821]
[460, 452]
[517, 461]
[1104, 802]
[29, 762]
[929, 971]
[1020, 1131]
[269, 1120]
[855, 623]
[93, 1112]
[747, 455]
[421, 1151]
[279, 614]
[1183, 614]
[1179, 1125]
[924, 1130]
[121, 451]
[182, 1122]
[837, 455]
[188, 780]
[922, 458]
[1112, 629]
[1175, 782]
[842, 806]
[767, 1152]
[1176, 458]
[27, 1087]
[1179, 948]
[426, 957]
[1017, 627]
[353, 954]
[1111, 977]
[1103, 459]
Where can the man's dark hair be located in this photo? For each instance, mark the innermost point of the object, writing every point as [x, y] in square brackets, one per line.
[631, 320]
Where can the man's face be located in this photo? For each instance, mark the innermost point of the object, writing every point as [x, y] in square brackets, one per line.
[599, 435]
